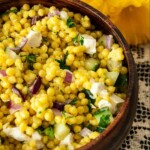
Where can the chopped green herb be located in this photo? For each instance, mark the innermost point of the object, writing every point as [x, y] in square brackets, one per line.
[63, 113]
[5, 49]
[62, 62]
[49, 131]
[40, 130]
[81, 40]
[90, 107]
[121, 83]
[31, 59]
[70, 23]
[66, 116]
[103, 116]
[78, 39]
[89, 126]
[9, 11]
[75, 39]
[73, 102]
[39, 112]
[89, 95]
[44, 39]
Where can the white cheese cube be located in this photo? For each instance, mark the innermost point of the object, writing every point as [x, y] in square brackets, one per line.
[63, 15]
[34, 38]
[67, 140]
[90, 44]
[96, 87]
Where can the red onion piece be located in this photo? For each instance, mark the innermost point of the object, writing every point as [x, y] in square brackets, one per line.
[18, 48]
[3, 73]
[13, 107]
[68, 77]
[50, 15]
[57, 12]
[33, 20]
[68, 101]
[54, 13]
[56, 112]
[36, 85]
[109, 41]
[18, 92]
[59, 106]
[23, 43]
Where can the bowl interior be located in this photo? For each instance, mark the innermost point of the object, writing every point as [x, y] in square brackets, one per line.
[111, 136]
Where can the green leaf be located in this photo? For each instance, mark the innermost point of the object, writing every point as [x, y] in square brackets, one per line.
[62, 62]
[89, 95]
[121, 83]
[75, 39]
[89, 107]
[40, 130]
[39, 112]
[70, 23]
[5, 49]
[81, 40]
[44, 39]
[49, 132]
[31, 59]
[64, 113]
[65, 57]
[9, 11]
[73, 102]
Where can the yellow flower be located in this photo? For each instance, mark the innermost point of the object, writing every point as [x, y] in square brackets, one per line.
[132, 17]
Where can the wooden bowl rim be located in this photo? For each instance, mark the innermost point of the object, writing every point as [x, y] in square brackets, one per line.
[130, 61]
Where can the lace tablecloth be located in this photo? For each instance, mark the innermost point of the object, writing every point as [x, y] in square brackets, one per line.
[139, 135]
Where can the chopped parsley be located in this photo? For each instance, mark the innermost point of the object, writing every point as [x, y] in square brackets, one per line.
[78, 39]
[75, 39]
[9, 11]
[49, 131]
[66, 116]
[70, 23]
[30, 59]
[64, 113]
[73, 102]
[89, 95]
[40, 130]
[121, 83]
[62, 62]
[81, 40]
[44, 39]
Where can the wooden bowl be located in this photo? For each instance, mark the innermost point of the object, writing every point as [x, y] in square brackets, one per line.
[115, 133]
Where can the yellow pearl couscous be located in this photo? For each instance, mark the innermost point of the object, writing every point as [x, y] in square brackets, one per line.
[62, 81]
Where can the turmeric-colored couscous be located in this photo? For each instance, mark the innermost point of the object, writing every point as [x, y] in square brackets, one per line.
[62, 81]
